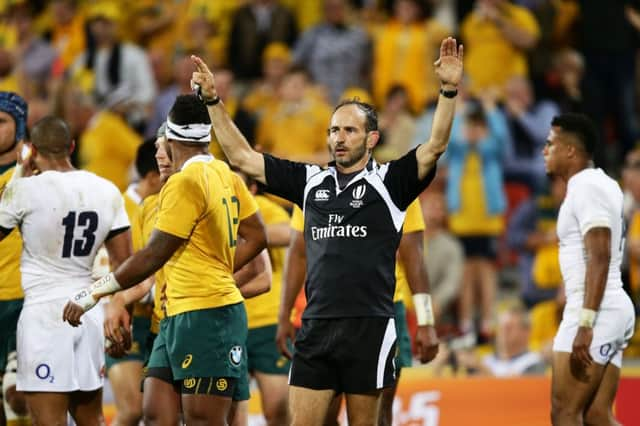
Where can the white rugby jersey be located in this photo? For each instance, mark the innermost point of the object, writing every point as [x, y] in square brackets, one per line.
[593, 200]
[64, 218]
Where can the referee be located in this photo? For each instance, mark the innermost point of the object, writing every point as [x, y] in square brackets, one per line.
[354, 211]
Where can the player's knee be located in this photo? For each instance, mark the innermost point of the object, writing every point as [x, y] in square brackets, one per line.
[15, 401]
[598, 415]
[131, 414]
[276, 414]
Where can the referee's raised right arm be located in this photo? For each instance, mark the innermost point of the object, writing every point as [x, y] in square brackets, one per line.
[449, 70]
[232, 141]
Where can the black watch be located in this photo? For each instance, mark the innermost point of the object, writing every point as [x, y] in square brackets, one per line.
[213, 101]
[449, 93]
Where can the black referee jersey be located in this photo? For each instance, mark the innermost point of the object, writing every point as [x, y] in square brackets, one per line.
[351, 235]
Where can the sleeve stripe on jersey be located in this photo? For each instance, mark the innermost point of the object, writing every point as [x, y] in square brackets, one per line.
[313, 170]
[115, 232]
[597, 223]
[397, 215]
[382, 171]
[5, 231]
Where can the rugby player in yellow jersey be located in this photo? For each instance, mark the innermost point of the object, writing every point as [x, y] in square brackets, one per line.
[13, 119]
[411, 274]
[125, 373]
[199, 354]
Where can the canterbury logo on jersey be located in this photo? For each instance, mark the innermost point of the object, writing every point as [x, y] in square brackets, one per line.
[322, 195]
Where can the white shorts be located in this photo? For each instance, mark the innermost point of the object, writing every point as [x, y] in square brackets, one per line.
[612, 331]
[55, 357]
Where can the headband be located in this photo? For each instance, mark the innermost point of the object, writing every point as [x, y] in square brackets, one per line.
[195, 133]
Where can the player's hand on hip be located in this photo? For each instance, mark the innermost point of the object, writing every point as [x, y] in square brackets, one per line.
[449, 64]
[203, 77]
[72, 313]
[427, 343]
[580, 355]
[286, 332]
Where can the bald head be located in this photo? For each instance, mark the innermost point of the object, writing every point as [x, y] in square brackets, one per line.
[51, 137]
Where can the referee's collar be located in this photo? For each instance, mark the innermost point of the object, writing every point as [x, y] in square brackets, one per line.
[371, 165]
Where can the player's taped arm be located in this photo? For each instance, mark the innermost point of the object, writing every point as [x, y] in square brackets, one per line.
[411, 255]
[424, 309]
[597, 244]
[88, 297]
[135, 269]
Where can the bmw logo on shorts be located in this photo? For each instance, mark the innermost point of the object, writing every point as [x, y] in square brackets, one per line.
[235, 355]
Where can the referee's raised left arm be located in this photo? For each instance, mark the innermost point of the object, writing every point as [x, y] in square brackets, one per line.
[233, 143]
[449, 71]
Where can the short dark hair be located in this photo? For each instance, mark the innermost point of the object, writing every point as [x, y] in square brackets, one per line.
[146, 158]
[581, 127]
[187, 109]
[371, 120]
[51, 137]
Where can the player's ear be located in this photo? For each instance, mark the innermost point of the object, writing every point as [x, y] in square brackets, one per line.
[372, 139]
[72, 147]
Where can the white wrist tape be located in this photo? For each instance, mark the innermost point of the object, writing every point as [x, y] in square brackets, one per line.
[424, 310]
[88, 297]
[587, 318]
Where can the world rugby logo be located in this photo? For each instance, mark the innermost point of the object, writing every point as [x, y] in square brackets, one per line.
[358, 193]
[235, 355]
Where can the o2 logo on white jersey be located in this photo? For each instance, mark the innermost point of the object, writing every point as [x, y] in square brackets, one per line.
[43, 372]
[358, 194]
[323, 195]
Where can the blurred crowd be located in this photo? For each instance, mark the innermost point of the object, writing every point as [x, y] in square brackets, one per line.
[113, 68]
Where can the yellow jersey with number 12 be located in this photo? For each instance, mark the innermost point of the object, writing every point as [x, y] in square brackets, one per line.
[203, 204]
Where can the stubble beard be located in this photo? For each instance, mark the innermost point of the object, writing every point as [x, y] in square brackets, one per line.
[357, 155]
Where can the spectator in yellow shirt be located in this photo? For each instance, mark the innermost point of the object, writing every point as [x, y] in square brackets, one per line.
[298, 113]
[404, 51]
[276, 61]
[501, 31]
[107, 145]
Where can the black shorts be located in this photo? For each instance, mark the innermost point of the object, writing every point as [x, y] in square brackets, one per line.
[480, 246]
[350, 355]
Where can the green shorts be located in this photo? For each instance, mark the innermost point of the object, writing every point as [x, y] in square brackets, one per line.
[404, 355]
[263, 353]
[9, 314]
[204, 352]
[138, 351]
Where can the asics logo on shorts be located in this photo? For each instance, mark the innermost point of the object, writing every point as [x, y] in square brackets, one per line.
[235, 355]
[187, 361]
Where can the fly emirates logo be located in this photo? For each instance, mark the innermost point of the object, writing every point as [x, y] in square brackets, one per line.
[335, 229]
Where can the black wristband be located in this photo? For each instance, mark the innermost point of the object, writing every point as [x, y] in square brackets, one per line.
[449, 93]
[213, 101]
